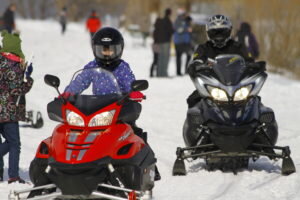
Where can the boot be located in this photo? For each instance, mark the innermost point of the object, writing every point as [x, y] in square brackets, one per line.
[1, 174]
[157, 176]
[16, 179]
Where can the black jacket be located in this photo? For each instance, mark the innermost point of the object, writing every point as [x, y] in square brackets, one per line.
[9, 19]
[163, 30]
[208, 50]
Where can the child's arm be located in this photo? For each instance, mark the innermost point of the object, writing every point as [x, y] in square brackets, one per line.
[125, 77]
[80, 83]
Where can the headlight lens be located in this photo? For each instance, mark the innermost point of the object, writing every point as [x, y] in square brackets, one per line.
[102, 119]
[242, 93]
[217, 93]
[74, 119]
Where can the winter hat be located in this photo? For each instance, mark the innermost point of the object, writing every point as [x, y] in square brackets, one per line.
[11, 43]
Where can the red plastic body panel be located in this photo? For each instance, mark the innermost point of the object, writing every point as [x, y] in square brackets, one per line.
[75, 145]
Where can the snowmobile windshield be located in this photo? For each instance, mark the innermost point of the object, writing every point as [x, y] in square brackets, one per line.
[92, 89]
[229, 69]
[94, 81]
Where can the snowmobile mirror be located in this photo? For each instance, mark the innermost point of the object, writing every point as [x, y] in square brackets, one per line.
[52, 80]
[139, 85]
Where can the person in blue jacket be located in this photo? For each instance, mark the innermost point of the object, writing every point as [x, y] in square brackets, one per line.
[108, 44]
[183, 40]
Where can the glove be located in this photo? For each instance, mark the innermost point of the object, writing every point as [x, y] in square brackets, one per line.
[65, 95]
[28, 70]
[254, 67]
[195, 66]
[136, 96]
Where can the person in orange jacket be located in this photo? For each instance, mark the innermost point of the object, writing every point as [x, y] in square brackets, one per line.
[93, 23]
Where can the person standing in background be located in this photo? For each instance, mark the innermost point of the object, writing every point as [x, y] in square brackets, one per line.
[155, 49]
[63, 19]
[245, 36]
[9, 18]
[13, 87]
[164, 31]
[93, 23]
[182, 39]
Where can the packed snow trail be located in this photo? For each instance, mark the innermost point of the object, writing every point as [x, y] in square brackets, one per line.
[162, 117]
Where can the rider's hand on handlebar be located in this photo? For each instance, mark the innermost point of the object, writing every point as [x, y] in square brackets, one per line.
[65, 95]
[196, 66]
[257, 65]
[136, 96]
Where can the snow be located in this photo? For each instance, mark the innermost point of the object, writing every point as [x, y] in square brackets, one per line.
[162, 117]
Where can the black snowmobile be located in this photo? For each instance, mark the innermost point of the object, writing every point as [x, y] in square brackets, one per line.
[229, 125]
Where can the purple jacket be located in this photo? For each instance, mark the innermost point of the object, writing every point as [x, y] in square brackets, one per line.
[101, 82]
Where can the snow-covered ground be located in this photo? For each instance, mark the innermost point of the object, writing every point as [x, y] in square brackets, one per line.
[162, 117]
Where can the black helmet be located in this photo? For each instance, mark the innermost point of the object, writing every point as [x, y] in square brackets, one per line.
[107, 40]
[218, 30]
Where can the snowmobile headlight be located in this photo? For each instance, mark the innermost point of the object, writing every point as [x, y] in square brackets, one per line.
[217, 93]
[242, 93]
[102, 119]
[74, 119]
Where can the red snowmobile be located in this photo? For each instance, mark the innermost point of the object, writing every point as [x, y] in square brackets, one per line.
[93, 153]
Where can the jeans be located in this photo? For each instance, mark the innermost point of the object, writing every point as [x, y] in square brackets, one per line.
[1, 157]
[163, 59]
[12, 145]
[181, 49]
[154, 64]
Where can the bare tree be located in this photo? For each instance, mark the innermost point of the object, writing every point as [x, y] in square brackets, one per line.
[44, 7]
[274, 24]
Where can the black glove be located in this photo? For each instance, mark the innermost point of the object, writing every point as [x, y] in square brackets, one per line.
[260, 65]
[195, 66]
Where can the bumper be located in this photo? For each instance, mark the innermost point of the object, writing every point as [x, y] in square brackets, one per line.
[83, 179]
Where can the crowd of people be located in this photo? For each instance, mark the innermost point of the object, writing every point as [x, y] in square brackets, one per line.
[165, 33]
[181, 34]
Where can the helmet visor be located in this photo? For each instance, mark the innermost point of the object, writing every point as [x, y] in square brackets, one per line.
[219, 34]
[108, 52]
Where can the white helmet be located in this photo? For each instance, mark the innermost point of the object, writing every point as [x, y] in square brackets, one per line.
[218, 30]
